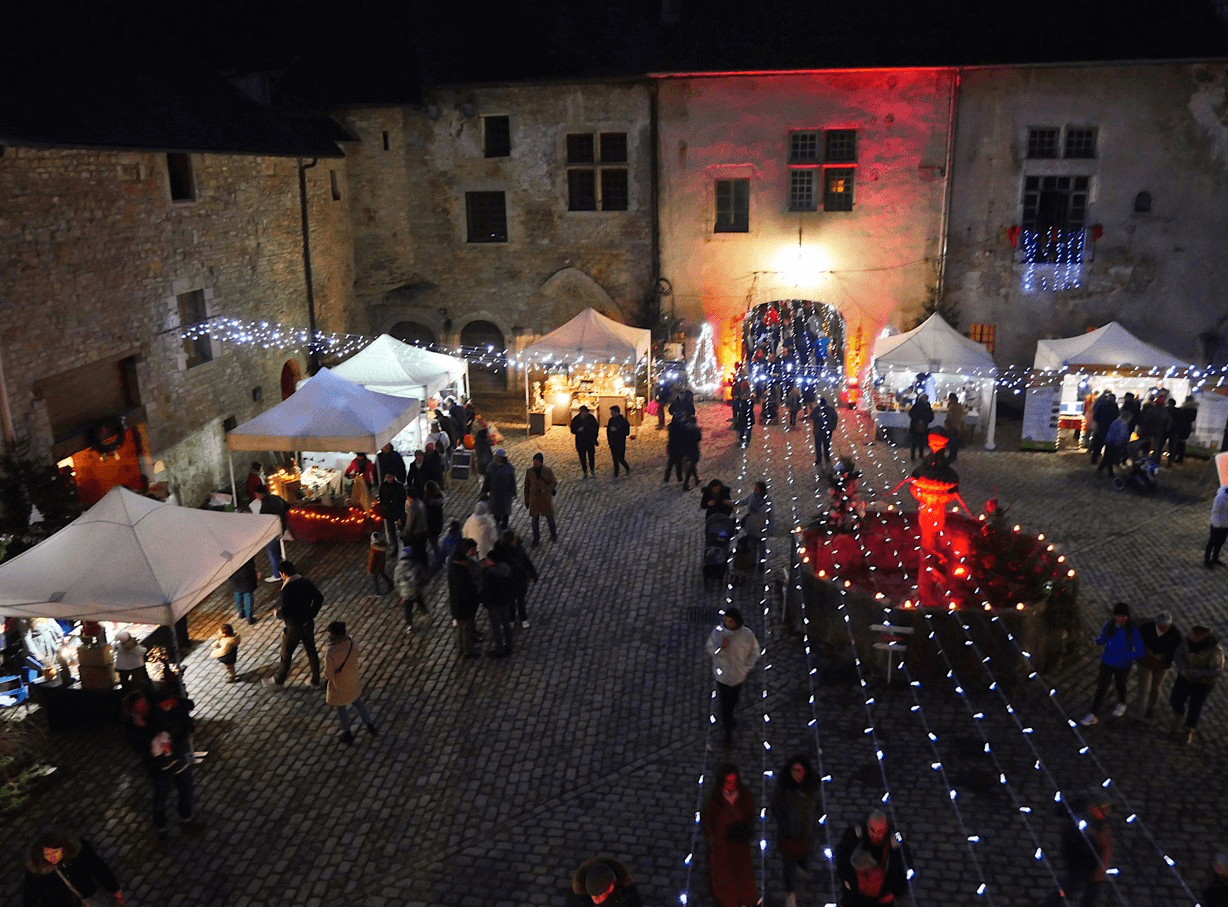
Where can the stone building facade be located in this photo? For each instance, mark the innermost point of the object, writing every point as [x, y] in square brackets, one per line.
[1088, 194]
[108, 254]
[491, 214]
[826, 186]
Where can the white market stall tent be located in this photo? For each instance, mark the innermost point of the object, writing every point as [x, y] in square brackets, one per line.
[326, 413]
[954, 364]
[388, 366]
[131, 559]
[589, 339]
[1109, 358]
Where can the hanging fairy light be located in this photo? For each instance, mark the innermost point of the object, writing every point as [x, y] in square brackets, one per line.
[703, 371]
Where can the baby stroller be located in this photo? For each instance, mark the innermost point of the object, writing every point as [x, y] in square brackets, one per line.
[1142, 470]
[719, 530]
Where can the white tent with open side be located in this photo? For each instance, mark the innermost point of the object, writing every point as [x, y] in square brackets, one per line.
[934, 347]
[132, 559]
[589, 337]
[388, 366]
[1109, 358]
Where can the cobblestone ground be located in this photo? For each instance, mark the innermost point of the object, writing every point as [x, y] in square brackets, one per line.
[491, 779]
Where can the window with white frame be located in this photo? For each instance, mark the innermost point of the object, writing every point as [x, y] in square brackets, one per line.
[821, 168]
[1054, 219]
[1053, 142]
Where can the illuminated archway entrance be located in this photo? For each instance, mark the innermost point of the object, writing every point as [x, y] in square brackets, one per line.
[794, 341]
[485, 349]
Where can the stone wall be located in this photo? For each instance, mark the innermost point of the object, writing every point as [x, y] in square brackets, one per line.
[1161, 129]
[96, 253]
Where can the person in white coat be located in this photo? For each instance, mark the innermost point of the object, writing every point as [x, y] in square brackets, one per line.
[482, 529]
[734, 650]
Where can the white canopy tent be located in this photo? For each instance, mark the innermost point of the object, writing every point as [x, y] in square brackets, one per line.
[132, 559]
[935, 347]
[589, 337]
[388, 366]
[325, 413]
[1110, 358]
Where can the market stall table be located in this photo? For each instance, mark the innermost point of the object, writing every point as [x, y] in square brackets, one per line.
[322, 523]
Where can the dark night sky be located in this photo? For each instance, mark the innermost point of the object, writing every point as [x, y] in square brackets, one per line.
[381, 50]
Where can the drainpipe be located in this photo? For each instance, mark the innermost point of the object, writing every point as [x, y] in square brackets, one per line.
[313, 351]
[952, 115]
[654, 185]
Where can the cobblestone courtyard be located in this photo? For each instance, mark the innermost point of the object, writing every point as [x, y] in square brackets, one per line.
[491, 779]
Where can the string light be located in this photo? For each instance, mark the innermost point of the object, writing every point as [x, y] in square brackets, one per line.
[703, 371]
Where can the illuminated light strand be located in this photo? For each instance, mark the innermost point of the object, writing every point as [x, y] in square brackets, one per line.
[767, 767]
[811, 670]
[1085, 749]
[703, 371]
[1022, 810]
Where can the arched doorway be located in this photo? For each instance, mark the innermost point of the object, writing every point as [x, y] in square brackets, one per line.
[413, 333]
[485, 349]
[290, 375]
[794, 340]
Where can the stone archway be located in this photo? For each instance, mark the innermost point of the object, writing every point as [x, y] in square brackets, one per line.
[812, 333]
[413, 333]
[485, 348]
[567, 293]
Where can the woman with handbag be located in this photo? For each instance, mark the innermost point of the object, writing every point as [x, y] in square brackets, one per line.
[343, 687]
[728, 818]
[793, 810]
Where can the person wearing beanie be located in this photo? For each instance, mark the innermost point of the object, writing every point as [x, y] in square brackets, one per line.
[1199, 661]
[584, 427]
[1122, 647]
[604, 880]
[377, 560]
[734, 650]
[1160, 640]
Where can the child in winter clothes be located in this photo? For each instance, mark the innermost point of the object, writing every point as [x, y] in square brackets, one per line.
[1122, 647]
[377, 558]
[226, 650]
[449, 543]
[408, 578]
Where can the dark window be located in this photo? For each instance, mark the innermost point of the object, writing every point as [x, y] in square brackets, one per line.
[838, 189]
[1054, 213]
[732, 206]
[613, 147]
[498, 139]
[1142, 203]
[179, 172]
[385, 139]
[1080, 142]
[614, 189]
[840, 146]
[486, 217]
[192, 315]
[581, 190]
[801, 190]
[803, 147]
[580, 149]
[1042, 142]
[597, 187]
[335, 185]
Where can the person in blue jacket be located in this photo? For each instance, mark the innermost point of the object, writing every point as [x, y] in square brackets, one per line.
[1123, 645]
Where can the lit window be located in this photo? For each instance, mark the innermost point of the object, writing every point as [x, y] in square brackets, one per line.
[984, 334]
[838, 189]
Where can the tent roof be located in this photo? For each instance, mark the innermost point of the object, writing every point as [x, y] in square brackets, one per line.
[933, 346]
[326, 413]
[388, 366]
[593, 336]
[130, 558]
[1108, 345]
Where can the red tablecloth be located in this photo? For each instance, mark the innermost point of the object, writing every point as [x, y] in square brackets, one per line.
[318, 523]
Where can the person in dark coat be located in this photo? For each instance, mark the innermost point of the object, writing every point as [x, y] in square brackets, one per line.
[716, 499]
[509, 550]
[159, 727]
[605, 881]
[675, 448]
[1183, 418]
[432, 500]
[482, 454]
[584, 427]
[392, 505]
[871, 863]
[919, 418]
[391, 463]
[432, 466]
[617, 430]
[60, 866]
[1088, 853]
[415, 476]
[276, 505]
[499, 487]
[691, 435]
[459, 417]
[727, 817]
[301, 602]
[823, 420]
[244, 582]
[1161, 637]
[793, 808]
[497, 594]
[1104, 412]
[464, 596]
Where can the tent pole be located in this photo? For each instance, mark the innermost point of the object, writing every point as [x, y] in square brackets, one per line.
[993, 416]
[527, 428]
[234, 491]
